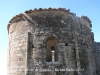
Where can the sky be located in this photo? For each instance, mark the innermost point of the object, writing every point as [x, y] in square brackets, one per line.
[10, 8]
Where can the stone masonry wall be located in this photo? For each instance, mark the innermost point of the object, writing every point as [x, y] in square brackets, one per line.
[28, 35]
[97, 57]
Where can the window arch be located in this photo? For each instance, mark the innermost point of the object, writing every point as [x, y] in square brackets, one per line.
[51, 52]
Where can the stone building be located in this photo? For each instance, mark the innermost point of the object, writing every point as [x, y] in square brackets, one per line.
[52, 42]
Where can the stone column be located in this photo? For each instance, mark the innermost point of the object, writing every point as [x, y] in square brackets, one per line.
[65, 58]
[69, 60]
[77, 53]
[60, 53]
[53, 56]
[27, 49]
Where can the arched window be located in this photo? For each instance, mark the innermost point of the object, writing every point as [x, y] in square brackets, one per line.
[51, 52]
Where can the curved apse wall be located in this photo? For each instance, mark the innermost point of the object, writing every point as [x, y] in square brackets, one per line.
[71, 35]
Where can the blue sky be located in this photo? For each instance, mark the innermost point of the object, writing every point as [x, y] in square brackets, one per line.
[10, 8]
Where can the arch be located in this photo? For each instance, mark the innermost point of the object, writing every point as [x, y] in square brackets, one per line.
[49, 36]
[51, 49]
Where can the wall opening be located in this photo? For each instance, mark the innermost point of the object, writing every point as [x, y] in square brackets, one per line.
[66, 44]
[32, 46]
[51, 52]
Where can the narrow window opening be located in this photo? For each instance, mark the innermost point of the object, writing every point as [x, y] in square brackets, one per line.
[51, 52]
[52, 48]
